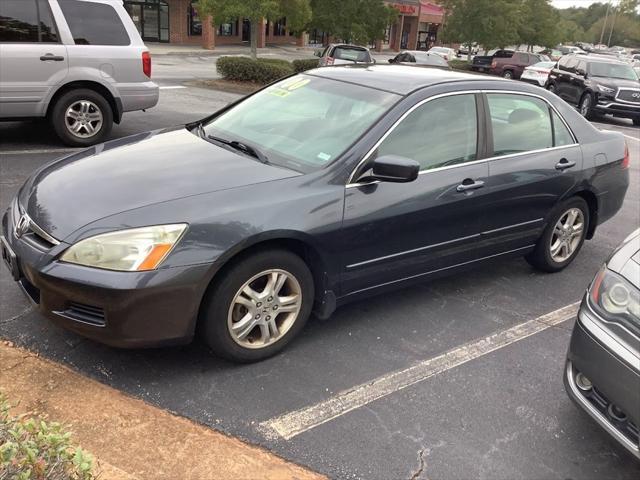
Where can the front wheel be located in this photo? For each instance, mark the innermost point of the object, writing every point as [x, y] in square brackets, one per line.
[507, 74]
[260, 304]
[563, 237]
[81, 118]
[586, 106]
[551, 88]
[636, 121]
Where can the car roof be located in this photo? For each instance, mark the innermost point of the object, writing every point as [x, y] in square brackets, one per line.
[349, 45]
[601, 59]
[399, 79]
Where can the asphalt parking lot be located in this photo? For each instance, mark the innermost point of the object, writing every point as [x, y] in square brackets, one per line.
[501, 414]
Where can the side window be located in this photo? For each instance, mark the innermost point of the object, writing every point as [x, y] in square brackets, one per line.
[26, 21]
[520, 123]
[561, 134]
[439, 133]
[562, 63]
[94, 23]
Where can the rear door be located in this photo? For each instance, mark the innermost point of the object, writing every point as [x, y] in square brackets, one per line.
[32, 58]
[534, 159]
[396, 231]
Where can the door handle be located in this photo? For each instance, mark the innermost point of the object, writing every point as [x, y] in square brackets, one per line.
[563, 164]
[50, 57]
[469, 184]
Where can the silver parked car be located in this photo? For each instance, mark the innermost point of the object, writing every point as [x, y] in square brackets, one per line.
[603, 364]
[343, 54]
[79, 63]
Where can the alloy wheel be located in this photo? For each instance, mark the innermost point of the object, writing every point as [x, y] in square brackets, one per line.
[264, 309]
[567, 235]
[83, 119]
[585, 106]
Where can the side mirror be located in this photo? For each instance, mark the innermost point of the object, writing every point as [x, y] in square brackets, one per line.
[396, 169]
[317, 53]
[392, 60]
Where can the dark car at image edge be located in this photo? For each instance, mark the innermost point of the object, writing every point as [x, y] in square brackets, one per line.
[602, 374]
[322, 188]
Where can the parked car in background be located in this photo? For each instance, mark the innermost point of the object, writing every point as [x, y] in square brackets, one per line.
[482, 63]
[80, 64]
[512, 67]
[597, 85]
[552, 53]
[587, 47]
[568, 49]
[602, 374]
[465, 48]
[309, 212]
[419, 58]
[343, 54]
[444, 52]
[538, 73]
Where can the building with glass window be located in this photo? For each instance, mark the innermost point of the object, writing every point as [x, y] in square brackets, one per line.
[178, 21]
[416, 27]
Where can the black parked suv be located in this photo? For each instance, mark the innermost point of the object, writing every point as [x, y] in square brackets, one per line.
[597, 85]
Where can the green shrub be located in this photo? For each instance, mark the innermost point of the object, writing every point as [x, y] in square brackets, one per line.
[459, 64]
[33, 449]
[303, 65]
[243, 69]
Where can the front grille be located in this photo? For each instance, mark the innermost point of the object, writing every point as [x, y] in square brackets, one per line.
[596, 398]
[632, 96]
[86, 313]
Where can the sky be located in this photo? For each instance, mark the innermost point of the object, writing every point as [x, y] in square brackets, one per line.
[575, 3]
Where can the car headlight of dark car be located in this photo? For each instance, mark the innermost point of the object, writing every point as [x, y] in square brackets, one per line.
[136, 249]
[606, 90]
[615, 299]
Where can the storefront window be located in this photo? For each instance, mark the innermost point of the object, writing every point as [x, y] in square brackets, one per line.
[193, 19]
[228, 29]
[280, 27]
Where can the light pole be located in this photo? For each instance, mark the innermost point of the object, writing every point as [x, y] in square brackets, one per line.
[604, 26]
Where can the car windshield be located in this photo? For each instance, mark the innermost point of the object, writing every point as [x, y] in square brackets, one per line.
[353, 54]
[543, 65]
[612, 70]
[303, 122]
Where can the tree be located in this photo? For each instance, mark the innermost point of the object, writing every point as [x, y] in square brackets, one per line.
[298, 13]
[353, 21]
[539, 25]
[626, 31]
[491, 23]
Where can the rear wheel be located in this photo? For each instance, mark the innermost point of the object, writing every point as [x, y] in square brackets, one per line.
[262, 302]
[507, 74]
[551, 88]
[563, 237]
[81, 117]
[586, 106]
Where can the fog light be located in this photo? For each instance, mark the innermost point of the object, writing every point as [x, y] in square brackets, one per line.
[616, 413]
[583, 383]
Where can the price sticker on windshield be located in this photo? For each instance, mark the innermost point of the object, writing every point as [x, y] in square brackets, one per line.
[288, 87]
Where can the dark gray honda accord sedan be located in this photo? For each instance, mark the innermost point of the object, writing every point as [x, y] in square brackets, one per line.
[319, 189]
[603, 363]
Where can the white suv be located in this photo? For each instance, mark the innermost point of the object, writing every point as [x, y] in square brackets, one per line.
[80, 63]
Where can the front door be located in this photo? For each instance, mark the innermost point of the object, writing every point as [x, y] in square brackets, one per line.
[398, 231]
[534, 155]
[32, 59]
[246, 30]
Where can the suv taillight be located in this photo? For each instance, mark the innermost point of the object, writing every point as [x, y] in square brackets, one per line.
[146, 63]
[493, 64]
[627, 159]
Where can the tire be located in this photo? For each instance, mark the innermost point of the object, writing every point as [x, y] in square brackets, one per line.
[542, 257]
[585, 107]
[220, 310]
[552, 88]
[636, 122]
[507, 74]
[94, 112]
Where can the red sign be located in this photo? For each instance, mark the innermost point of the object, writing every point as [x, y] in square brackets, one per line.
[405, 9]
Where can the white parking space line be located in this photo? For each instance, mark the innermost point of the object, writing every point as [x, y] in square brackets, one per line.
[42, 150]
[172, 87]
[632, 138]
[291, 424]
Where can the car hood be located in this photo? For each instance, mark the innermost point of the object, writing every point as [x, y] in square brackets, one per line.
[134, 172]
[616, 82]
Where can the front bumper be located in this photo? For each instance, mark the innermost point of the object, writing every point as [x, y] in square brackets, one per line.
[614, 372]
[121, 309]
[613, 107]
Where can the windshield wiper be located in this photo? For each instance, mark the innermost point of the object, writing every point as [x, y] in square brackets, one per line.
[243, 147]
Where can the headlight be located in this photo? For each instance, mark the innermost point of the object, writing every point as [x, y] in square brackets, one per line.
[607, 90]
[615, 299]
[126, 250]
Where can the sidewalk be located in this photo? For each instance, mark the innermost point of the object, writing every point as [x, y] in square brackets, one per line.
[130, 439]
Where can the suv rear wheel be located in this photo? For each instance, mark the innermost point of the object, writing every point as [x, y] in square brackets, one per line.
[81, 118]
[507, 74]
